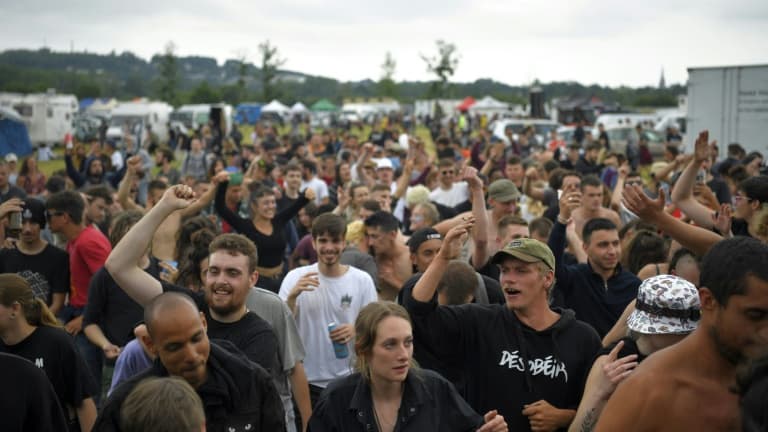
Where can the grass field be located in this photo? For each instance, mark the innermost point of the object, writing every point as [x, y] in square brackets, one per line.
[52, 166]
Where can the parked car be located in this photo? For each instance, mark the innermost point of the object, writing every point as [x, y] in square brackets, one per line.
[542, 128]
[620, 136]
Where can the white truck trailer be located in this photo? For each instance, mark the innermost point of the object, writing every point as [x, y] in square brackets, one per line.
[732, 103]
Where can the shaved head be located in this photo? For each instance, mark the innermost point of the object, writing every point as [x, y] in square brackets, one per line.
[161, 307]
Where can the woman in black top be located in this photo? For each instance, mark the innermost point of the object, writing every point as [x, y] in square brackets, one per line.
[28, 329]
[265, 228]
[387, 393]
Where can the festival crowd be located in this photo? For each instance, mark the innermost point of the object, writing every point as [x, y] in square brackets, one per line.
[326, 280]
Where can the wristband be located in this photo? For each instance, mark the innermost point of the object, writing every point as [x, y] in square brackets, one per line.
[562, 220]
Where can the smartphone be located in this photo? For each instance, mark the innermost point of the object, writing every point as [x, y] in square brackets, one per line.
[701, 177]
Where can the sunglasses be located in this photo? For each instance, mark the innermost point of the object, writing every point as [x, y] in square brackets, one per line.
[446, 172]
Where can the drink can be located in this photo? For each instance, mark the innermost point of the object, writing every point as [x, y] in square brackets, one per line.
[340, 349]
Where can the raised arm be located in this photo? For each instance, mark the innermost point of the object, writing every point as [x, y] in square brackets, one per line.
[72, 172]
[682, 193]
[124, 190]
[205, 200]
[618, 189]
[404, 180]
[695, 238]
[425, 288]
[122, 263]
[480, 246]
[569, 201]
[531, 175]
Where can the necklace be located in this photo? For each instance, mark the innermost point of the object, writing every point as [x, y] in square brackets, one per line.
[390, 425]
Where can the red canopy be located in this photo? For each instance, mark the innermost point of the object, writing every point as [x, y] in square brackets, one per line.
[466, 103]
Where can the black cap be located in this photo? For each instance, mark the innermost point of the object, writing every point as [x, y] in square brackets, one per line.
[422, 235]
[34, 210]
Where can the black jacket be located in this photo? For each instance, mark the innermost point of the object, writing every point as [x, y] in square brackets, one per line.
[596, 302]
[507, 363]
[430, 403]
[237, 396]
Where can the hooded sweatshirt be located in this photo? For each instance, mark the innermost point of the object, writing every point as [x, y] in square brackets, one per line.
[506, 363]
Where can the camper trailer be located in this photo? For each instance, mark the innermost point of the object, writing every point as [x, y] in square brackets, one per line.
[48, 116]
[133, 117]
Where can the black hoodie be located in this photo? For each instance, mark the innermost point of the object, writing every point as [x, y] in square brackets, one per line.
[506, 363]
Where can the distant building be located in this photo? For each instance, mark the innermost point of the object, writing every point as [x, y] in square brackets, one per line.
[662, 82]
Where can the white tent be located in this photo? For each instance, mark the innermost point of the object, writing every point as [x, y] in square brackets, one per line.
[276, 107]
[489, 105]
[299, 108]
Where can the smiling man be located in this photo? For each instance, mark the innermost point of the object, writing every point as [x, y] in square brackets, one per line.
[524, 359]
[236, 394]
[599, 290]
[323, 293]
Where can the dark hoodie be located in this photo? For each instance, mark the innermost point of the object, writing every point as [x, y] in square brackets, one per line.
[506, 363]
[238, 395]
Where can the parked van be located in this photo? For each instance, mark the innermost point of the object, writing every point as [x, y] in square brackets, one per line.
[48, 116]
[192, 117]
[133, 117]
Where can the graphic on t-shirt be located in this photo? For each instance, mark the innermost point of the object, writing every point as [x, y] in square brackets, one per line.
[547, 366]
[346, 301]
[39, 284]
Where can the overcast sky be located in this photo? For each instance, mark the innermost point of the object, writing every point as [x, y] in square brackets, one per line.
[513, 41]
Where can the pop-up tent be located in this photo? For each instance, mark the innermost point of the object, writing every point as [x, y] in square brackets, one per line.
[275, 107]
[489, 105]
[14, 137]
[299, 108]
[324, 105]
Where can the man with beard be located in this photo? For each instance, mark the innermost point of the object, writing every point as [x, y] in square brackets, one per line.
[236, 394]
[230, 276]
[691, 382]
[323, 293]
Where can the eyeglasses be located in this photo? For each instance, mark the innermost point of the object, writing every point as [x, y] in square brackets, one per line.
[49, 214]
[634, 183]
[739, 198]
[446, 172]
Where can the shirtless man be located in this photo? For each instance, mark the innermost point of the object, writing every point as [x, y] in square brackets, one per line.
[592, 205]
[393, 258]
[689, 386]
[164, 240]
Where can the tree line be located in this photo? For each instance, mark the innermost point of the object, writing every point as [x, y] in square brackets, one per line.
[195, 79]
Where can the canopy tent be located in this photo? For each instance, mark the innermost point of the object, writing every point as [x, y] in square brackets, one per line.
[324, 105]
[298, 108]
[14, 137]
[489, 104]
[275, 107]
[466, 103]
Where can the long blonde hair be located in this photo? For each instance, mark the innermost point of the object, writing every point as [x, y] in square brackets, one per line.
[13, 289]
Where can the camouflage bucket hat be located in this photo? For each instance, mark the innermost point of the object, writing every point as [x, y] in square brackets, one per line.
[666, 304]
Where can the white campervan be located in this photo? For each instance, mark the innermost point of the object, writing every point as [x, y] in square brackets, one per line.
[192, 117]
[48, 116]
[133, 117]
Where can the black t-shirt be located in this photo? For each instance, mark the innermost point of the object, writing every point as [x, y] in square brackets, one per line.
[251, 334]
[46, 272]
[53, 351]
[721, 190]
[740, 227]
[112, 309]
[27, 400]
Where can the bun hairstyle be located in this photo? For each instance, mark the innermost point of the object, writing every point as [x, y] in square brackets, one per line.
[16, 289]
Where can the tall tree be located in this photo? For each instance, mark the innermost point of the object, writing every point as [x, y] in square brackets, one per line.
[387, 86]
[242, 74]
[168, 80]
[270, 63]
[443, 65]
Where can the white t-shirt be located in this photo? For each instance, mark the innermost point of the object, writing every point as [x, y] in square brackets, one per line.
[337, 300]
[457, 194]
[319, 186]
